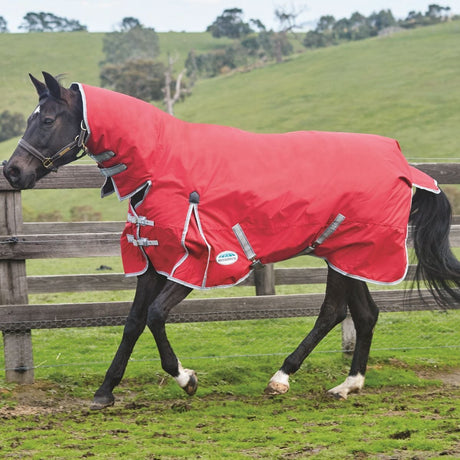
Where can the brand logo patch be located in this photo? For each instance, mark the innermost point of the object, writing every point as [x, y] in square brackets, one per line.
[227, 258]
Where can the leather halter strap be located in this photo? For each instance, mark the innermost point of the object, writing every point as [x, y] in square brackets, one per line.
[48, 162]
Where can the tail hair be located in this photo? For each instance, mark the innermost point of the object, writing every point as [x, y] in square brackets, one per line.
[438, 268]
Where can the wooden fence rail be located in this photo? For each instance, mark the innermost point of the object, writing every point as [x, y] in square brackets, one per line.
[20, 241]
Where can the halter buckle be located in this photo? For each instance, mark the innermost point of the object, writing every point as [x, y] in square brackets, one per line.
[48, 163]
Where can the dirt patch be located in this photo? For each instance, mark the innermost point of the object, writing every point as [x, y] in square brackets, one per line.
[38, 399]
[451, 377]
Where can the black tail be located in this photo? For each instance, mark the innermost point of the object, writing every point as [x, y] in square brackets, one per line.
[437, 267]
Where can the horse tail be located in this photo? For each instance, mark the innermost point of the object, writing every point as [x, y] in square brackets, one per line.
[437, 267]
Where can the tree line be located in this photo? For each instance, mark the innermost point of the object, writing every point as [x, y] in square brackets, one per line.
[45, 22]
[330, 31]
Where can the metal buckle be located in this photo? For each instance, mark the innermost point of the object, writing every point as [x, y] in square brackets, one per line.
[47, 163]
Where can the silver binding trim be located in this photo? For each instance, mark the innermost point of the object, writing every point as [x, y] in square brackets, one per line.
[113, 170]
[141, 241]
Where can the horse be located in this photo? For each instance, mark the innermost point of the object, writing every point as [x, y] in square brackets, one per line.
[215, 220]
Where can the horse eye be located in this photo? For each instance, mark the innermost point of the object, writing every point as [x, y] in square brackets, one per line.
[48, 121]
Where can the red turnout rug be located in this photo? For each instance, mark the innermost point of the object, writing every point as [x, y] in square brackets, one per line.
[211, 202]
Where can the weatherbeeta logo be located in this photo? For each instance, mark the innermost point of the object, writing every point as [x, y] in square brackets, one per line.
[227, 258]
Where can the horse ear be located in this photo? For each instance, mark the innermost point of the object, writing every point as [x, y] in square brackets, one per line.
[39, 86]
[53, 85]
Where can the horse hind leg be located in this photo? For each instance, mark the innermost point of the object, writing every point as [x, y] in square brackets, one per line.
[364, 313]
[333, 311]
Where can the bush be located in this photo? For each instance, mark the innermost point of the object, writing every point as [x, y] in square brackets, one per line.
[11, 125]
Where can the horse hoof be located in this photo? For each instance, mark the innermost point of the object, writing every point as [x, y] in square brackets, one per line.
[101, 402]
[276, 388]
[192, 383]
[337, 395]
[352, 384]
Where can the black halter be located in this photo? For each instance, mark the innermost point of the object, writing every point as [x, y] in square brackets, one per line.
[48, 162]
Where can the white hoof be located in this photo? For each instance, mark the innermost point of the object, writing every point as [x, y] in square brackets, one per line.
[278, 384]
[353, 383]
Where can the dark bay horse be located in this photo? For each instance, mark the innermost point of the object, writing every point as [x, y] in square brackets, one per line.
[67, 122]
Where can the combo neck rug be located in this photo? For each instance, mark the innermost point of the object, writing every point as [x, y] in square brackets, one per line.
[210, 203]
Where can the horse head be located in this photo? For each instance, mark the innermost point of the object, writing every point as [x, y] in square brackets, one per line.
[54, 135]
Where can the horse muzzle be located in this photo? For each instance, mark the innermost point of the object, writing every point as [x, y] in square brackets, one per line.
[17, 177]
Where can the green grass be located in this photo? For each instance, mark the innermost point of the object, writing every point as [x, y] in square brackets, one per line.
[404, 411]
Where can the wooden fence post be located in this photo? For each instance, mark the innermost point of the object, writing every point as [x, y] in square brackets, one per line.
[348, 336]
[13, 290]
[264, 280]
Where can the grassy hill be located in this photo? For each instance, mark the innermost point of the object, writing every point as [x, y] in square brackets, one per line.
[74, 54]
[403, 86]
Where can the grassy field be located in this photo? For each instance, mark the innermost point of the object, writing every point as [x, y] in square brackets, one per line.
[408, 409]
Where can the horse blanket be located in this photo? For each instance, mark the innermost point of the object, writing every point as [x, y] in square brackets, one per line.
[209, 203]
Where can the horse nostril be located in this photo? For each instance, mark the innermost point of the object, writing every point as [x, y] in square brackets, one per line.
[14, 172]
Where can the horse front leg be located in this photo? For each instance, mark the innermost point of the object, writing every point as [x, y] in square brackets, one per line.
[171, 294]
[149, 285]
[333, 311]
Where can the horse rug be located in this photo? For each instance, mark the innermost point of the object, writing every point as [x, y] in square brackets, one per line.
[210, 203]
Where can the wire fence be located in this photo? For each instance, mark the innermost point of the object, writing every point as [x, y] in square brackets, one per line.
[430, 335]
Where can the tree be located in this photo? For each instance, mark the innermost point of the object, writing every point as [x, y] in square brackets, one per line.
[11, 125]
[170, 96]
[287, 21]
[48, 22]
[129, 23]
[325, 24]
[3, 25]
[138, 42]
[436, 12]
[315, 39]
[141, 78]
[382, 20]
[230, 24]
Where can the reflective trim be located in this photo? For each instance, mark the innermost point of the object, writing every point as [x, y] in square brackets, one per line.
[244, 242]
[141, 241]
[326, 234]
[140, 220]
[113, 170]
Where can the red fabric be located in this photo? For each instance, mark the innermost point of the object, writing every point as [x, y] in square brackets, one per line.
[282, 189]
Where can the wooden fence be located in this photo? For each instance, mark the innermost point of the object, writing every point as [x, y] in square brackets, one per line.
[20, 241]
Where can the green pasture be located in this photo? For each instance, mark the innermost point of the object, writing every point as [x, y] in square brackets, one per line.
[408, 409]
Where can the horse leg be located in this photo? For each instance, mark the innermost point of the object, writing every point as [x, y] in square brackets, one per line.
[333, 311]
[364, 313]
[169, 297]
[148, 287]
